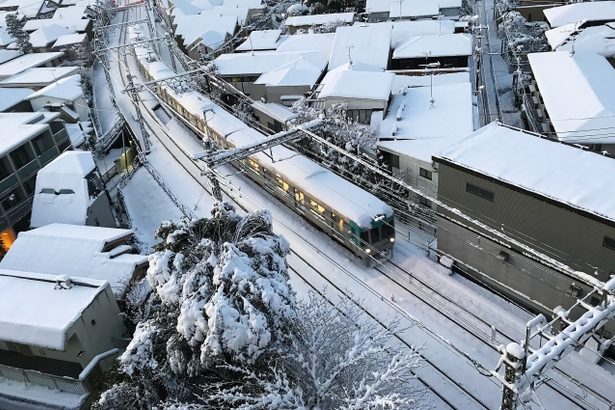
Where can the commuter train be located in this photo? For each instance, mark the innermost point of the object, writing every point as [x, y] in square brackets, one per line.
[353, 217]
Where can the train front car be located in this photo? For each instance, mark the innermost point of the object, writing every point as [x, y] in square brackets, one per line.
[378, 238]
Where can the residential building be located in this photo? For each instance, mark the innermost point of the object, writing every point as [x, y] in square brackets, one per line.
[527, 192]
[15, 99]
[43, 39]
[39, 77]
[361, 45]
[383, 10]
[561, 80]
[29, 142]
[413, 130]
[574, 38]
[57, 336]
[64, 96]
[585, 13]
[88, 251]
[20, 64]
[70, 190]
[312, 21]
[445, 52]
[261, 40]
[366, 103]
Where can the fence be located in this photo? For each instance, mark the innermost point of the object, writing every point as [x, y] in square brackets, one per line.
[65, 384]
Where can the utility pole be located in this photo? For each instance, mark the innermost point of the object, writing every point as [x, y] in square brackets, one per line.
[523, 367]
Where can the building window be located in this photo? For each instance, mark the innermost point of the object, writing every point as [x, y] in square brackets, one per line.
[22, 155]
[608, 243]
[5, 168]
[424, 201]
[12, 199]
[42, 143]
[394, 161]
[481, 192]
[29, 185]
[425, 173]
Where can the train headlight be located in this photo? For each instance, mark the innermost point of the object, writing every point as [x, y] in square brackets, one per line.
[392, 239]
[368, 251]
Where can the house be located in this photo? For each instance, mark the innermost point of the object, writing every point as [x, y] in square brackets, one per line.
[57, 336]
[551, 105]
[533, 10]
[70, 190]
[29, 142]
[307, 42]
[295, 72]
[383, 10]
[448, 51]
[43, 39]
[39, 77]
[15, 99]
[8, 55]
[262, 40]
[79, 41]
[413, 130]
[92, 252]
[312, 21]
[273, 115]
[366, 103]
[574, 38]
[204, 33]
[75, 18]
[363, 44]
[539, 194]
[586, 13]
[64, 96]
[22, 63]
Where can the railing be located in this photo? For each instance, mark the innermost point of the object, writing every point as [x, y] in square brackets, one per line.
[65, 384]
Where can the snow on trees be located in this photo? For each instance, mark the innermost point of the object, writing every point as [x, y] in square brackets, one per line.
[14, 26]
[220, 293]
[338, 358]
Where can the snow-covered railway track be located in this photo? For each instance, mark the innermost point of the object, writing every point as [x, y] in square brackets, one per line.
[483, 331]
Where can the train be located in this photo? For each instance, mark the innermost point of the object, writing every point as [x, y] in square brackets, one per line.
[351, 216]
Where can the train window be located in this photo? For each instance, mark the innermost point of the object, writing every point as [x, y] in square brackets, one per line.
[340, 225]
[388, 231]
[282, 184]
[375, 235]
[299, 197]
[253, 164]
[317, 207]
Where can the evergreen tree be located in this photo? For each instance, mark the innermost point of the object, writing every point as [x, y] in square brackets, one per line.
[14, 26]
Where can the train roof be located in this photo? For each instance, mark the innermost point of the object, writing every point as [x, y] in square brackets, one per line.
[331, 190]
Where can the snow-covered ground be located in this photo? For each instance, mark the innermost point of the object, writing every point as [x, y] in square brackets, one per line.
[324, 263]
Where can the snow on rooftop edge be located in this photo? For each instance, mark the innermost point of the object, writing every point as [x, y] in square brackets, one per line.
[540, 166]
[49, 313]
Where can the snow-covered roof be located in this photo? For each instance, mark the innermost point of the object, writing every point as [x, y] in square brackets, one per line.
[577, 90]
[307, 42]
[48, 34]
[274, 110]
[24, 62]
[204, 27]
[34, 313]
[587, 11]
[345, 83]
[367, 44]
[262, 40]
[11, 96]
[400, 82]
[8, 55]
[78, 25]
[73, 250]
[413, 115]
[18, 128]
[595, 39]
[28, 8]
[5, 37]
[262, 61]
[69, 39]
[422, 149]
[413, 8]
[435, 45]
[319, 19]
[299, 72]
[39, 76]
[540, 166]
[403, 30]
[62, 194]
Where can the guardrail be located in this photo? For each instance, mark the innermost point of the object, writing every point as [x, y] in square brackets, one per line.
[62, 383]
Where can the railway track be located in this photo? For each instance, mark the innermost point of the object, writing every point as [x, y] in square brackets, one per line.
[472, 325]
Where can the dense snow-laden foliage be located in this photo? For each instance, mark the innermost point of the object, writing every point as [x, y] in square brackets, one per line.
[14, 26]
[338, 359]
[522, 37]
[217, 291]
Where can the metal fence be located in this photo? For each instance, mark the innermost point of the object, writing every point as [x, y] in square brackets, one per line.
[65, 384]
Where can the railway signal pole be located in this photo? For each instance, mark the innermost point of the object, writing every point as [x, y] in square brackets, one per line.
[523, 369]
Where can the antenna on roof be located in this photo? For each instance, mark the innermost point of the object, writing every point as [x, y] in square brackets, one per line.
[432, 68]
[349, 55]
[251, 46]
